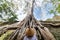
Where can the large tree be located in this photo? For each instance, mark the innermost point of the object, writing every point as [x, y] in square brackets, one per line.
[29, 22]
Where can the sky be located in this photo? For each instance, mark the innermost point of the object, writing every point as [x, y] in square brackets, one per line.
[43, 12]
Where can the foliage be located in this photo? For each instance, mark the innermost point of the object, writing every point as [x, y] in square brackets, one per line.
[56, 9]
[51, 11]
[6, 11]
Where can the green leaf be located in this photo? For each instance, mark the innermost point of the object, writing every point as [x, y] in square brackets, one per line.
[58, 0]
[1, 9]
[51, 11]
[58, 8]
[0, 16]
[1, 0]
[4, 5]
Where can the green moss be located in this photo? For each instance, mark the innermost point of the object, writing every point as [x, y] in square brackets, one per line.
[6, 35]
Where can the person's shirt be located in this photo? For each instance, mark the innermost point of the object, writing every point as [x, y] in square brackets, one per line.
[30, 38]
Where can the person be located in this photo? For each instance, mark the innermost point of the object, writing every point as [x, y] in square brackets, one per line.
[30, 34]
